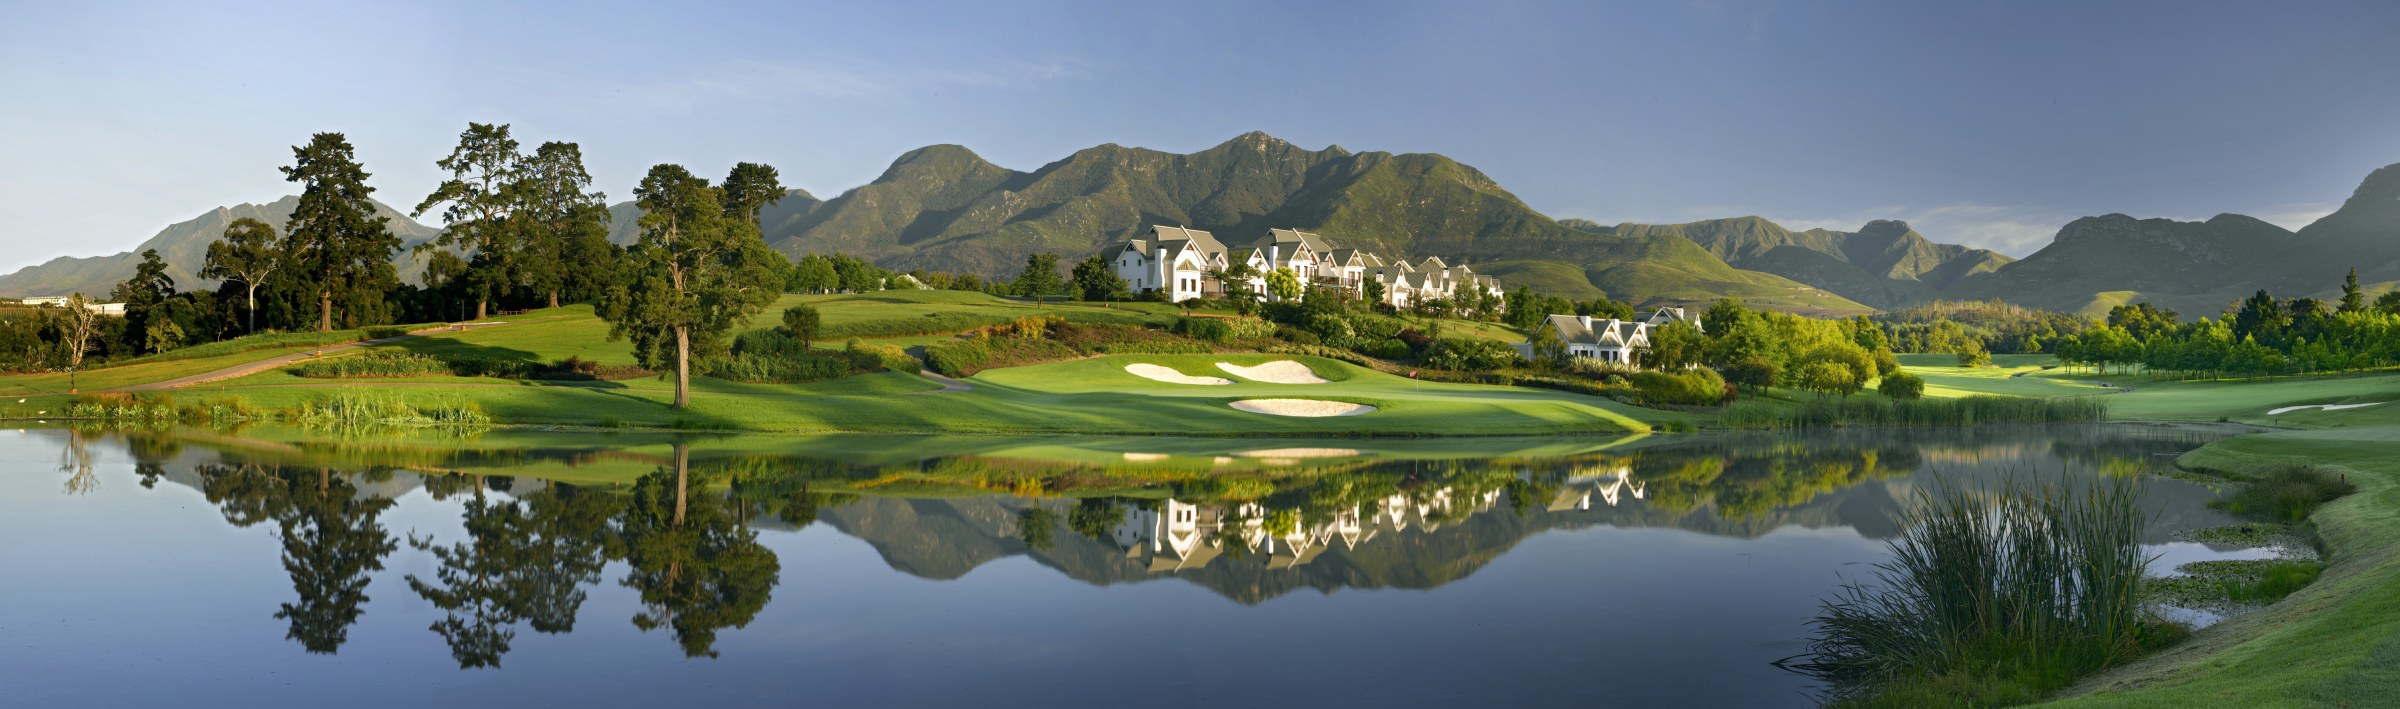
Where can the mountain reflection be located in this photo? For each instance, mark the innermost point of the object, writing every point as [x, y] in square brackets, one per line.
[685, 534]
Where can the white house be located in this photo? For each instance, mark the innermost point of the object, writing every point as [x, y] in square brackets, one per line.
[1184, 263]
[1665, 315]
[1609, 340]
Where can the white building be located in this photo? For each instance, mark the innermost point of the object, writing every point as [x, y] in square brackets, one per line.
[1185, 263]
[1612, 340]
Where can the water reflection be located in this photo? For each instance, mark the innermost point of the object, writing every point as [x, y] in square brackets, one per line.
[1249, 524]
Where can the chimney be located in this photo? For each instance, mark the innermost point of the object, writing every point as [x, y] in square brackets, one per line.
[1165, 272]
[1586, 320]
[1272, 259]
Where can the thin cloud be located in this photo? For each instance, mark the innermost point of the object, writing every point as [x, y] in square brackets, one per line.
[2294, 216]
[777, 82]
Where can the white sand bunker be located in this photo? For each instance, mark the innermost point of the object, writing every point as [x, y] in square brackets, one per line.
[1144, 457]
[1157, 373]
[2327, 407]
[1303, 453]
[1312, 408]
[1282, 371]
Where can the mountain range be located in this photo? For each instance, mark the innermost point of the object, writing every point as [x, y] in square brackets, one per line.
[943, 207]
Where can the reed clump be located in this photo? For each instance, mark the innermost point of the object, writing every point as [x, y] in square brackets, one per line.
[1991, 600]
[2287, 494]
[354, 409]
[1867, 411]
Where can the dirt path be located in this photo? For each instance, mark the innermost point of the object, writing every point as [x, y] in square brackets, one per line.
[949, 386]
[249, 368]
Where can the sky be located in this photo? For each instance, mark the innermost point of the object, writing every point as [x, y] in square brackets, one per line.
[1989, 124]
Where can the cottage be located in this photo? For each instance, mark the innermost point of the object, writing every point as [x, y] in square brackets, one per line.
[1610, 340]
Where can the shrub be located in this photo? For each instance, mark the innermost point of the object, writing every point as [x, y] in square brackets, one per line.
[374, 364]
[888, 358]
[1465, 354]
[1297, 336]
[960, 357]
[1215, 330]
[779, 369]
[1696, 387]
[1902, 386]
[1827, 377]
[1391, 348]
[769, 342]
[1975, 358]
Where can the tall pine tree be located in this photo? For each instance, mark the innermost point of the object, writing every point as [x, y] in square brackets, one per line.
[339, 248]
[565, 226]
[482, 170]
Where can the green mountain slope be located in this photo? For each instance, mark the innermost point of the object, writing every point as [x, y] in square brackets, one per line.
[184, 246]
[1884, 264]
[2198, 268]
[943, 207]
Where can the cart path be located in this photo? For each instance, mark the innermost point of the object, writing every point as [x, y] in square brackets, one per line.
[949, 385]
[249, 368]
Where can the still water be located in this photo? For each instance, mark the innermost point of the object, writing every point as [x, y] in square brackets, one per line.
[266, 568]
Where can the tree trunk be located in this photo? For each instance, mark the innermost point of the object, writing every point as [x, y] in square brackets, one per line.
[480, 305]
[553, 299]
[683, 467]
[683, 367]
[253, 297]
[324, 311]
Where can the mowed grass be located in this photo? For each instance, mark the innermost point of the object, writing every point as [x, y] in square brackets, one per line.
[2335, 642]
[1090, 396]
[2249, 400]
[2010, 375]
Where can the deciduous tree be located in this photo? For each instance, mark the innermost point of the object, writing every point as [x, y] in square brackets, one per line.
[694, 276]
[246, 255]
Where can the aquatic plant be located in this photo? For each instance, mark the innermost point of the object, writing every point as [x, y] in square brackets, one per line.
[1991, 600]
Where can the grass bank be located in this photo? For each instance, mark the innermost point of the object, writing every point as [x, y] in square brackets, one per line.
[2335, 642]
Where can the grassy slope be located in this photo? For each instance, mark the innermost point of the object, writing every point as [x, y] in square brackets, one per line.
[1070, 397]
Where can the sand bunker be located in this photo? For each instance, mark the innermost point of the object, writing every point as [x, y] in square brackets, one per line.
[2327, 407]
[1282, 371]
[1303, 453]
[1312, 408]
[1157, 373]
[1145, 457]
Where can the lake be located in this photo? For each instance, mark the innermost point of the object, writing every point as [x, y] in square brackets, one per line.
[277, 567]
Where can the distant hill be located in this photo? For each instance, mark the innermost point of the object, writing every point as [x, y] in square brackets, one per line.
[943, 207]
[2197, 268]
[1884, 264]
[184, 246]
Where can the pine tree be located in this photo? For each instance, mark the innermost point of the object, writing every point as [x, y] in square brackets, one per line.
[338, 247]
[483, 169]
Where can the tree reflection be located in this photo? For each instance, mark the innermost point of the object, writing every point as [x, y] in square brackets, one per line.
[524, 561]
[332, 538]
[696, 569]
[76, 462]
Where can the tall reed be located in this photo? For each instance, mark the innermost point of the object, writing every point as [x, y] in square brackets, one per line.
[1990, 599]
[1869, 411]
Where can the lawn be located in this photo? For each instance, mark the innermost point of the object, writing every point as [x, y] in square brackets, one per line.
[2010, 375]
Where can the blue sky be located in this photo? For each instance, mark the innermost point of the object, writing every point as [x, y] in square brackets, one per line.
[1982, 123]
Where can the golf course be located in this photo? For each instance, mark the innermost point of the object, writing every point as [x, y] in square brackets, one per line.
[2336, 642]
